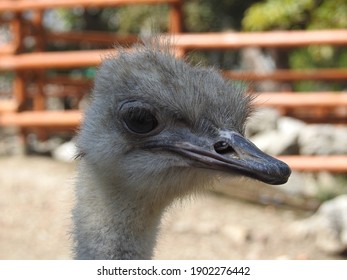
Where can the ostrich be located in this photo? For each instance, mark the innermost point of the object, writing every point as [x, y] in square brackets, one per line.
[157, 129]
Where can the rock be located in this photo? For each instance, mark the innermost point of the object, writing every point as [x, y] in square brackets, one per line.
[282, 140]
[274, 142]
[290, 126]
[263, 120]
[332, 140]
[267, 142]
[296, 185]
[10, 142]
[323, 185]
[36, 146]
[256, 60]
[65, 152]
[328, 225]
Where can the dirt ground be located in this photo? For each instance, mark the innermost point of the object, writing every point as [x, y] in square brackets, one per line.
[36, 197]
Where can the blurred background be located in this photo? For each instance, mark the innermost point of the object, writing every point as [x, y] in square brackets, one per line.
[293, 56]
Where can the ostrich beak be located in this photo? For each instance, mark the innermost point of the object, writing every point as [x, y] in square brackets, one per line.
[231, 153]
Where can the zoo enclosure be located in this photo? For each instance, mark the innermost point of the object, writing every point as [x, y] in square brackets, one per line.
[27, 107]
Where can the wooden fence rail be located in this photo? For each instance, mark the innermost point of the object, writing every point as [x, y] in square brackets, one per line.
[53, 60]
[302, 100]
[278, 39]
[339, 74]
[331, 163]
[22, 5]
[72, 117]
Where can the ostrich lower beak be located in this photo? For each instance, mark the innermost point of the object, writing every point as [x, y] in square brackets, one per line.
[231, 153]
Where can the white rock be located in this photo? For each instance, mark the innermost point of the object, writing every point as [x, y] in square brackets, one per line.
[263, 120]
[328, 225]
[283, 140]
[65, 152]
[323, 140]
[290, 126]
[275, 142]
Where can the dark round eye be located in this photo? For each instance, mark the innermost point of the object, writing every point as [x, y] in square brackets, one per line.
[140, 120]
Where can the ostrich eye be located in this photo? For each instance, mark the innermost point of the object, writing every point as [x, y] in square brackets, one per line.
[140, 120]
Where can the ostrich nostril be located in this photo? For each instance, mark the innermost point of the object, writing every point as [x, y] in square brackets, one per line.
[222, 147]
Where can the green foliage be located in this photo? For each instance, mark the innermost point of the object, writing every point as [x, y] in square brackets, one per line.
[209, 15]
[317, 57]
[200, 16]
[6, 80]
[334, 188]
[296, 14]
[277, 14]
[70, 19]
[142, 18]
[303, 14]
[330, 14]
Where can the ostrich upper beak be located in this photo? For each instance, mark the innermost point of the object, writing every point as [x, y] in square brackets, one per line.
[230, 152]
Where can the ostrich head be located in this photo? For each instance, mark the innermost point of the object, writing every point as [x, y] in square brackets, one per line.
[157, 129]
[160, 127]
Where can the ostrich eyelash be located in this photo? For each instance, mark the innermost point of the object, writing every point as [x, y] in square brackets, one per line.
[138, 113]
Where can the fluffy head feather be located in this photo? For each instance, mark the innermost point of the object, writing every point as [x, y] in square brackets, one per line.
[196, 98]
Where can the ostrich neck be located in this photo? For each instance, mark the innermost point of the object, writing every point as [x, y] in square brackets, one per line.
[110, 223]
